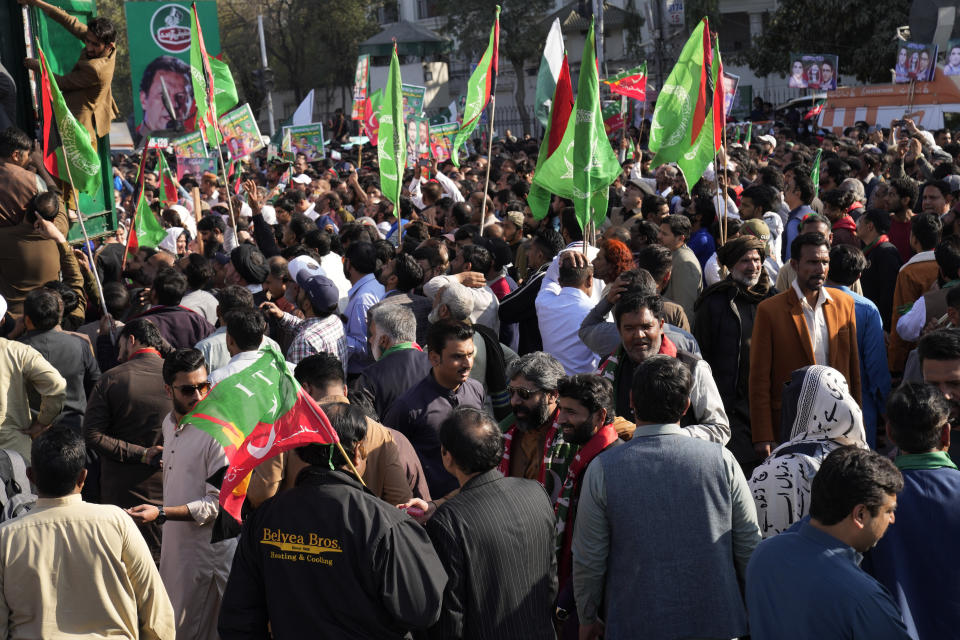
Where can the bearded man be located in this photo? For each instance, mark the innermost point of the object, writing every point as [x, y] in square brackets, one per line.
[723, 324]
[533, 442]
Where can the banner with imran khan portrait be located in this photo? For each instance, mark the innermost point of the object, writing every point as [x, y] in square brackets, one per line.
[158, 34]
[306, 139]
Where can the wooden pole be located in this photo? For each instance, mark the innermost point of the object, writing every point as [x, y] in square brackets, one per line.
[226, 185]
[86, 238]
[486, 182]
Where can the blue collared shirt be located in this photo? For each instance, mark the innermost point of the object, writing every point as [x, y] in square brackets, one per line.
[365, 293]
[874, 373]
[792, 228]
[804, 583]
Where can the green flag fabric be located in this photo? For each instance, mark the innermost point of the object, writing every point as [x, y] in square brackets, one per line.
[672, 126]
[202, 77]
[255, 414]
[67, 150]
[224, 89]
[815, 174]
[584, 165]
[391, 139]
[478, 90]
[149, 231]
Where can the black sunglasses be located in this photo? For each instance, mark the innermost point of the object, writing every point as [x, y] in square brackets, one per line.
[524, 394]
[190, 389]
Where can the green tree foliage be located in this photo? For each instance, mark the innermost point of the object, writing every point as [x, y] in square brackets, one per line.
[310, 43]
[522, 35]
[860, 32]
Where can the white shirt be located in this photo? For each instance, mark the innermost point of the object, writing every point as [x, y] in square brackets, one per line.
[332, 267]
[560, 317]
[816, 324]
[911, 323]
[549, 282]
[775, 224]
[486, 307]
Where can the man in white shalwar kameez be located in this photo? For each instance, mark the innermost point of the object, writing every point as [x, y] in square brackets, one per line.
[194, 570]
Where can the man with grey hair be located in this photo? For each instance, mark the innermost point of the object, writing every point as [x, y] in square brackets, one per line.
[400, 361]
[533, 440]
[456, 302]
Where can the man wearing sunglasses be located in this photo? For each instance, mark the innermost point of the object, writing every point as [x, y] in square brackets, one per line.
[193, 569]
[531, 432]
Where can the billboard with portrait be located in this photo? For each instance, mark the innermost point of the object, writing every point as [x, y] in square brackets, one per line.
[817, 71]
[240, 132]
[951, 67]
[158, 34]
[306, 139]
[915, 61]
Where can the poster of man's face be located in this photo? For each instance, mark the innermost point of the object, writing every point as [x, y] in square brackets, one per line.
[813, 71]
[175, 75]
[916, 61]
[952, 66]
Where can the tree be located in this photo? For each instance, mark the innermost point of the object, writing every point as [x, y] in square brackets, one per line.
[860, 32]
[522, 35]
[310, 43]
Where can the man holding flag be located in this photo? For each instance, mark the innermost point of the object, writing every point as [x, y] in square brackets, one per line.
[86, 88]
[327, 559]
[194, 570]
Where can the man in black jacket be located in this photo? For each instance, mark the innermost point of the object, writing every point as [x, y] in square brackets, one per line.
[496, 539]
[518, 306]
[400, 361]
[723, 324]
[327, 559]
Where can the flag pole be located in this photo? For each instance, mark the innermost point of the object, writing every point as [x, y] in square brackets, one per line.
[83, 229]
[226, 185]
[486, 182]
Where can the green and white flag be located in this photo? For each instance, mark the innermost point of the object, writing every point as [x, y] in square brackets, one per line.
[224, 88]
[584, 165]
[549, 72]
[67, 151]
[391, 142]
[482, 81]
[681, 111]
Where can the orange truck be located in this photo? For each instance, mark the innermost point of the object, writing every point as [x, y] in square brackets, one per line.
[932, 105]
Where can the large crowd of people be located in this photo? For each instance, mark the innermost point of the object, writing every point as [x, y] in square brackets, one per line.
[696, 420]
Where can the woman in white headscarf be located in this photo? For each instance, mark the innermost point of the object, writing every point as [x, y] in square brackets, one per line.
[175, 242]
[825, 417]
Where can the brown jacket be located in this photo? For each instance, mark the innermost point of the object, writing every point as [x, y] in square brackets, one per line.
[781, 344]
[383, 475]
[123, 419]
[915, 279]
[19, 188]
[86, 89]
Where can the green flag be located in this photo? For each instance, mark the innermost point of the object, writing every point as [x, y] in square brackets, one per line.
[67, 150]
[149, 231]
[815, 174]
[678, 106]
[224, 89]
[584, 165]
[392, 146]
[255, 414]
[479, 88]
[201, 75]
[746, 141]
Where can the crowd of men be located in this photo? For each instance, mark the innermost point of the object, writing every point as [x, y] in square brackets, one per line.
[696, 422]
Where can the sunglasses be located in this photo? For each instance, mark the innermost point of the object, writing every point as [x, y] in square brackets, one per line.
[525, 394]
[190, 389]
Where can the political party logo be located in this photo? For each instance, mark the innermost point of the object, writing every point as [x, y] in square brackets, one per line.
[170, 28]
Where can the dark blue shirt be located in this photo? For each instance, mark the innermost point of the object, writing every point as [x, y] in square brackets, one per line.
[918, 560]
[418, 414]
[804, 583]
